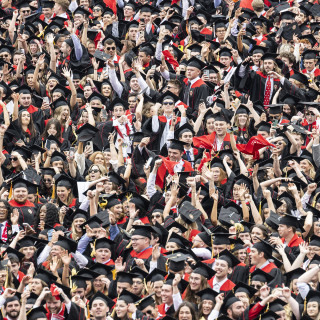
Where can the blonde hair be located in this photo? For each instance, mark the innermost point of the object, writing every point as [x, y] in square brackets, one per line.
[257, 5]
[63, 3]
[102, 169]
[93, 157]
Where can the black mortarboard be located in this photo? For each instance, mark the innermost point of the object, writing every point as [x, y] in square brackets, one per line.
[24, 151]
[189, 213]
[293, 274]
[177, 144]
[196, 63]
[289, 220]
[58, 156]
[86, 132]
[27, 241]
[227, 256]
[100, 296]
[264, 126]
[288, 15]
[269, 315]
[156, 275]
[45, 276]
[309, 54]
[269, 56]
[195, 48]
[97, 96]
[101, 269]
[222, 238]
[61, 89]
[145, 302]
[168, 95]
[112, 201]
[64, 181]
[138, 273]
[277, 305]
[181, 241]
[11, 251]
[300, 77]
[204, 270]
[259, 275]
[88, 274]
[243, 287]
[207, 294]
[140, 202]
[103, 243]
[144, 231]
[81, 10]
[258, 49]
[124, 277]
[265, 247]
[116, 178]
[128, 297]
[23, 183]
[175, 224]
[67, 243]
[93, 222]
[228, 301]
[37, 313]
[79, 281]
[119, 102]
[225, 52]
[61, 101]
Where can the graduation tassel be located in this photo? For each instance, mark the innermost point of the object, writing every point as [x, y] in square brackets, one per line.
[268, 305]
[260, 208]
[114, 274]
[93, 253]
[315, 199]
[167, 265]
[53, 195]
[305, 304]
[10, 191]
[249, 280]
[37, 198]
[145, 285]
[211, 246]
[128, 245]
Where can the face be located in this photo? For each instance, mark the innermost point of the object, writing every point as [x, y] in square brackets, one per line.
[284, 230]
[3, 212]
[132, 104]
[256, 232]
[185, 313]
[244, 298]
[312, 309]
[134, 84]
[255, 256]
[192, 73]
[166, 294]
[220, 127]
[106, 90]
[157, 286]
[77, 223]
[137, 286]
[139, 243]
[220, 32]
[20, 195]
[57, 164]
[197, 242]
[226, 61]
[187, 137]
[118, 111]
[25, 118]
[195, 281]
[305, 165]
[242, 255]
[168, 106]
[310, 64]
[156, 217]
[236, 310]
[121, 309]
[25, 99]
[43, 213]
[268, 65]
[52, 130]
[256, 58]
[13, 309]
[103, 255]
[316, 228]
[123, 286]
[36, 286]
[146, 16]
[207, 306]
[221, 267]
[218, 248]
[210, 125]
[54, 305]
[128, 11]
[99, 309]
[94, 173]
[63, 193]
[174, 154]
[110, 49]
[242, 118]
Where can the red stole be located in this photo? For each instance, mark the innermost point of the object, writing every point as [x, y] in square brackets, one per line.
[145, 254]
[294, 242]
[14, 203]
[266, 269]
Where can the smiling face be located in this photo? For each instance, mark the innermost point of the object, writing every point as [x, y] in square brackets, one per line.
[185, 313]
[99, 309]
[166, 294]
[121, 309]
[195, 281]
[20, 194]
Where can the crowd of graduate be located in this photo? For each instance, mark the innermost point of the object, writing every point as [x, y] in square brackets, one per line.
[159, 160]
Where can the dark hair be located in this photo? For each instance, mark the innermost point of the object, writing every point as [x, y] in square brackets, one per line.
[30, 125]
[52, 215]
[176, 83]
[263, 228]
[57, 124]
[8, 207]
[191, 308]
[14, 298]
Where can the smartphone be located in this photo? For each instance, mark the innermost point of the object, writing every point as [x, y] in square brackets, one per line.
[72, 152]
[141, 33]
[142, 20]
[148, 163]
[46, 100]
[90, 144]
[153, 67]
[26, 226]
[47, 145]
[104, 113]
[275, 123]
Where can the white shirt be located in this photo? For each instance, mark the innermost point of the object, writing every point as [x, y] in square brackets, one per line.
[217, 285]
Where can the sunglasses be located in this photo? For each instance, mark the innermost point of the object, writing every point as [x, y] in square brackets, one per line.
[168, 103]
[4, 56]
[94, 171]
[98, 9]
[156, 216]
[14, 159]
[111, 48]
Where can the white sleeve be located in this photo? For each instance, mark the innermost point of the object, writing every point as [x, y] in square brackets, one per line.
[155, 124]
[80, 160]
[153, 265]
[151, 187]
[214, 314]
[68, 306]
[305, 199]
[242, 71]
[2, 301]
[115, 83]
[303, 289]
[80, 259]
[282, 80]
[165, 74]
[143, 85]
[15, 228]
[183, 121]
[177, 300]
[158, 51]
[44, 254]
[202, 253]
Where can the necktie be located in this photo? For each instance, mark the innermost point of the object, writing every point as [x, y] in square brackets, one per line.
[188, 155]
[187, 94]
[267, 93]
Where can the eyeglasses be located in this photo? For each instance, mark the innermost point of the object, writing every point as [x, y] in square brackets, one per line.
[25, 11]
[273, 117]
[98, 9]
[136, 239]
[257, 286]
[94, 171]
[14, 159]
[156, 216]
[309, 114]
[4, 56]
[279, 143]
[168, 103]
[137, 282]
[110, 48]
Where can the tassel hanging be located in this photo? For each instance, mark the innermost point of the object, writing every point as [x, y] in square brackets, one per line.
[53, 191]
[93, 253]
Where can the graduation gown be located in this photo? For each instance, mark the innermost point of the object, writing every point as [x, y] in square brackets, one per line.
[271, 269]
[76, 313]
[37, 116]
[138, 161]
[292, 249]
[239, 272]
[27, 211]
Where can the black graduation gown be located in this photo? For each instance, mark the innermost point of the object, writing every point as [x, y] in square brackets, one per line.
[138, 161]
[27, 211]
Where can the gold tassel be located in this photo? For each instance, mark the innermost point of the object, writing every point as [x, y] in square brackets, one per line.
[249, 280]
[93, 253]
[128, 245]
[74, 288]
[145, 284]
[73, 272]
[53, 191]
[268, 305]
[114, 274]
[88, 311]
[315, 199]
[10, 191]
[211, 246]
[167, 265]
[38, 195]
[305, 305]
[260, 211]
